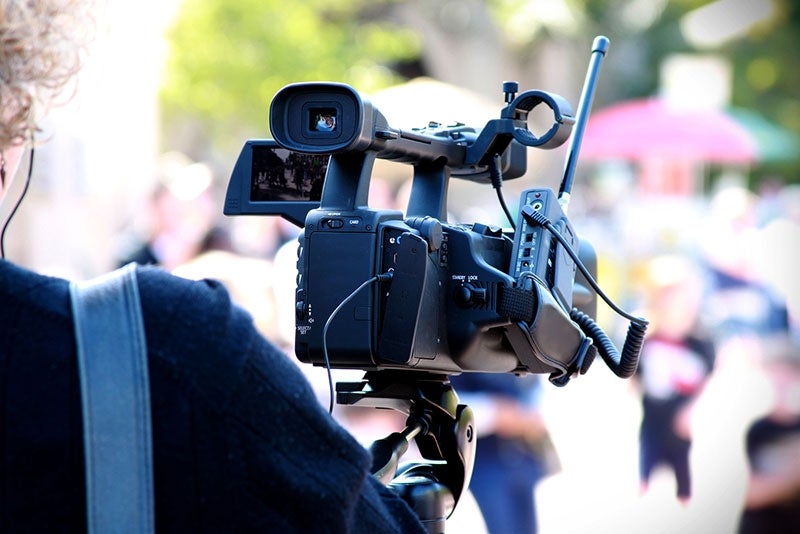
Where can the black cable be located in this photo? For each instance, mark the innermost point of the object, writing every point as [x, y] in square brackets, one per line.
[376, 278]
[623, 364]
[16, 207]
[496, 174]
[536, 217]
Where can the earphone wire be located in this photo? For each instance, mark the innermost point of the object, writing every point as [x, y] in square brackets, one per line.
[16, 206]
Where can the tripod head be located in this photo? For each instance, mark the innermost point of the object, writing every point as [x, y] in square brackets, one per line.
[444, 431]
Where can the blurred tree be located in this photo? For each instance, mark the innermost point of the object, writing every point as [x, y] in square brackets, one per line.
[227, 59]
[767, 79]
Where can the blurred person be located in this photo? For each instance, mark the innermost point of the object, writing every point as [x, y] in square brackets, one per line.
[513, 452]
[326, 123]
[772, 498]
[675, 362]
[239, 441]
[777, 260]
[738, 301]
[181, 215]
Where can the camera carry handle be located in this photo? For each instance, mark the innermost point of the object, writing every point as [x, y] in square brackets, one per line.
[444, 432]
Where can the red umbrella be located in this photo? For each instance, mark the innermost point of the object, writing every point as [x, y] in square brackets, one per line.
[652, 128]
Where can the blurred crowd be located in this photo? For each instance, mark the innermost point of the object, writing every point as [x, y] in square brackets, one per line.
[719, 375]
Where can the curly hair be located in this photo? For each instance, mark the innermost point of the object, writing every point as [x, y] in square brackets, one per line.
[41, 48]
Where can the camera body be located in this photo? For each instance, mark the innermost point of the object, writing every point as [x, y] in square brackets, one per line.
[378, 289]
[436, 313]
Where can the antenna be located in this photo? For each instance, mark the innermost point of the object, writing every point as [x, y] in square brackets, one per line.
[599, 49]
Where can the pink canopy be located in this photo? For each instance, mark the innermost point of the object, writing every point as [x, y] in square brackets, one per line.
[652, 128]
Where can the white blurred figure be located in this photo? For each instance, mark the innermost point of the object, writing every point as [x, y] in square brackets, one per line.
[180, 217]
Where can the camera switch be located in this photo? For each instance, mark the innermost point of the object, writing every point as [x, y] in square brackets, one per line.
[334, 224]
[467, 294]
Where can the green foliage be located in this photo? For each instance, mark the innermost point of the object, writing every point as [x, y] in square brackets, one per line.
[228, 58]
[768, 70]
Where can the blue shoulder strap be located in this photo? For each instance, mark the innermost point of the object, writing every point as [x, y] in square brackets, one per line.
[115, 394]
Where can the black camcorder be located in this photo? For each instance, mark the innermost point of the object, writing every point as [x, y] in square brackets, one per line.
[378, 289]
[411, 298]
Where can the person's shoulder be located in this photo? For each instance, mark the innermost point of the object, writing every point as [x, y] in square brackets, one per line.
[194, 328]
[164, 290]
[20, 287]
[199, 311]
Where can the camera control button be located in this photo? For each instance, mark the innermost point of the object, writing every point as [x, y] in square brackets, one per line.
[334, 224]
[467, 294]
[462, 295]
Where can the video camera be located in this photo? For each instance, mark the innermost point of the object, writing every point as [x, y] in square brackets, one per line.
[445, 298]
[412, 298]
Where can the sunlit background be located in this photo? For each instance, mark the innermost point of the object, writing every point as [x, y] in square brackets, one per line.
[189, 81]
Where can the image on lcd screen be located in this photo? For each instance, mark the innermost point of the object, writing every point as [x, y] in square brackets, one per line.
[283, 175]
[322, 119]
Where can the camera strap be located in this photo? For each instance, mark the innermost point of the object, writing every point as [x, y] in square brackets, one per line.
[544, 338]
[115, 395]
[518, 303]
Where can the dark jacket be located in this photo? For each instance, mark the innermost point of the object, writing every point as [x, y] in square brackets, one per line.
[239, 441]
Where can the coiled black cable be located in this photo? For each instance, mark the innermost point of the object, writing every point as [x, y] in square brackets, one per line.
[623, 364]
